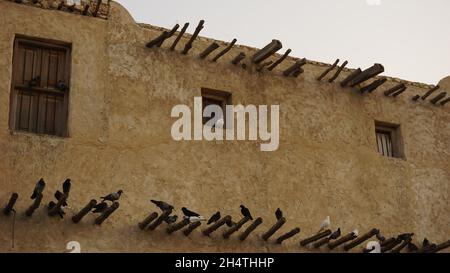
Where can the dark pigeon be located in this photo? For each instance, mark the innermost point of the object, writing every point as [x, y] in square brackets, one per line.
[62, 86]
[112, 196]
[171, 219]
[214, 218]
[100, 207]
[162, 205]
[245, 212]
[66, 186]
[58, 196]
[412, 247]
[278, 214]
[335, 234]
[189, 213]
[60, 212]
[38, 189]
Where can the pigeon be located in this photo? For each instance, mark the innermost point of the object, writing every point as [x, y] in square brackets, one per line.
[193, 219]
[112, 196]
[335, 234]
[162, 205]
[62, 86]
[58, 196]
[214, 218]
[100, 207]
[60, 212]
[34, 81]
[325, 224]
[66, 186]
[372, 247]
[189, 213]
[171, 219]
[425, 243]
[405, 236]
[230, 223]
[355, 232]
[412, 247]
[245, 212]
[278, 214]
[380, 237]
[40, 185]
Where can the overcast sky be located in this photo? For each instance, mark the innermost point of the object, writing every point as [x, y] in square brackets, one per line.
[411, 38]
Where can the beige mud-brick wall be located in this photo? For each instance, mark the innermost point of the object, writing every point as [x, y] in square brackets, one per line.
[119, 125]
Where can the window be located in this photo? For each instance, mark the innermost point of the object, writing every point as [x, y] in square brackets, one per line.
[388, 139]
[215, 97]
[40, 86]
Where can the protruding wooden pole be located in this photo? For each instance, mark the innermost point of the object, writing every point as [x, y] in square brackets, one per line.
[367, 74]
[152, 216]
[342, 240]
[391, 245]
[401, 246]
[265, 52]
[394, 89]
[316, 237]
[274, 228]
[223, 52]
[295, 67]
[37, 202]
[350, 77]
[183, 30]
[97, 8]
[57, 207]
[169, 34]
[438, 97]
[238, 58]
[431, 91]
[321, 242]
[157, 40]
[361, 239]
[444, 102]
[387, 242]
[172, 228]
[263, 65]
[399, 92]
[297, 72]
[99, 220]
[191, 228]
[235, 228]
[440, 247]
[10, 206]
[338, 72]
[280, 60]
[208, 50]
[372, 86]
[207, 231]
[188, 45]
[258, 221]
[287, 235]
[84, 211]
[328, 70]
[160, 219]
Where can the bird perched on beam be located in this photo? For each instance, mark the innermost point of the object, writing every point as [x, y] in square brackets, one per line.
[214, 218]
[405, 236]
[189, 213]
[112, 196]
[335, 234]
[325, 224]
[59, 195]
[246, 212]
[60, 212]
[171, 219]
[278, 214]
[66, 186]
[412, 247]
[100, 207]
[162, 205]
[38, 189]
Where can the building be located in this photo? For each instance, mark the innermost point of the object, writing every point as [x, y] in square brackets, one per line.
[106, 125]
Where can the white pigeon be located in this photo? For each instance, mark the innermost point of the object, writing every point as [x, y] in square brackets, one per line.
[375, 246]
[193, 219]
[355, 232]
[325, 224]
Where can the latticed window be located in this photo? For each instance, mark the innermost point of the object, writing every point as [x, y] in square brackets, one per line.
[388, 137]
[40, 86]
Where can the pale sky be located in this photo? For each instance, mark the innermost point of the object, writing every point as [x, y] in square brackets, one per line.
[411, 38]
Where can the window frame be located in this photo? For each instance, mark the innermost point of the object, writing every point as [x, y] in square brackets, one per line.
[394, 131]
[42, 43]
[217, 95]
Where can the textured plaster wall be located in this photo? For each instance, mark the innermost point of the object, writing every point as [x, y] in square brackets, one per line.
[119, 125]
